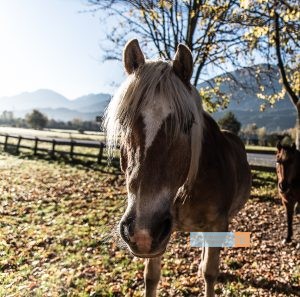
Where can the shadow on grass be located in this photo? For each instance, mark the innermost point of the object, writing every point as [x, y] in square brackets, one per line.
[263, 178]
[267, 198]
[274, 286]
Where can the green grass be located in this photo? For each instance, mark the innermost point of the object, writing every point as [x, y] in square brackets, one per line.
[261, 148]
[61, 150]
[54, 133]
[58, 238]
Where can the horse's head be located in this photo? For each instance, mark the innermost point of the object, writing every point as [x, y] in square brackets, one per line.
[285, 164]
[156, 115]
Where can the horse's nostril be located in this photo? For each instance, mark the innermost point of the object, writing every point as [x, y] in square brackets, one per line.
[165, 228]
[130, 225]
[127, 229]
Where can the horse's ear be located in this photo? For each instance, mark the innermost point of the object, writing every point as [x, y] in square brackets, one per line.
[183, 63]
[133, 57]
[279, 146]
[294, 146]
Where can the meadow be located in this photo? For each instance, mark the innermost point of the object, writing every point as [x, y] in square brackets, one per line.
[54, 133]
[81, 153]
[58, 238]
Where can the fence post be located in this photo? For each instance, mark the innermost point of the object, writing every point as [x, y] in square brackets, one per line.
[100, 153]
[5, 143]
[35, 146]
[53, 148]
[18, 145]
[72, 149]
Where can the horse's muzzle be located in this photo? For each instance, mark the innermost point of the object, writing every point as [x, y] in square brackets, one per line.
[146, 242]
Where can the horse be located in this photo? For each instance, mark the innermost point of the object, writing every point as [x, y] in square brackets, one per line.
[288, 176]
[182, 172]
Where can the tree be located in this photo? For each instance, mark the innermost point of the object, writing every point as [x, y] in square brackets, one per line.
[229, 122]
[7, 116]
[261, 134]
[36, 119]
[249, 133]
[271, 29]
[161, 25]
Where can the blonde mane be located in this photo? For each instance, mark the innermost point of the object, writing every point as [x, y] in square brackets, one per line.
[154, 81]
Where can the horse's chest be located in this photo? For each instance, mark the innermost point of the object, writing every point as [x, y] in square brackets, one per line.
[201, 218]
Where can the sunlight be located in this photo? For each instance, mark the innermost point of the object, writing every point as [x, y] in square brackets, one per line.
[50, 45]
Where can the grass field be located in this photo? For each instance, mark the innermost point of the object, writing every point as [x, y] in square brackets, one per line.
[261, 148]
[57, 238]
[54, 133]
[88, 135]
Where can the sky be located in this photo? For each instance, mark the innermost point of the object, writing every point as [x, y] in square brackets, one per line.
[53, 44]
[56, 44]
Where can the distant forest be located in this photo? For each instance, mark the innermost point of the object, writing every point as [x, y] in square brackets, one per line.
[251, 134]
[7, 119]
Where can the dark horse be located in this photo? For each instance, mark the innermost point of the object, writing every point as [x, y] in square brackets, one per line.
[288, 174]
[182, 173]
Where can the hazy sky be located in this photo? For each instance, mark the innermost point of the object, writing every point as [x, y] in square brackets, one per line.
[53, 44]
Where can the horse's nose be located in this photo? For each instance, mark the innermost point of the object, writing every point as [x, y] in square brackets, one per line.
[143, 241]
[162, 229]
[140, 239]
[127, 229]
[145, 237]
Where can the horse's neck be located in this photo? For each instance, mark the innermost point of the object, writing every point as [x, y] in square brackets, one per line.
[212, 134]
[212, 142]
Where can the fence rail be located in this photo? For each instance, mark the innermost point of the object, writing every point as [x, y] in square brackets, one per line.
[258, 160]
[54, 144]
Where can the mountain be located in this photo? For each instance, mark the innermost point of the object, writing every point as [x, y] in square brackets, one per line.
[29, 100]
[244, 85]
[90, 102]
[55, 105]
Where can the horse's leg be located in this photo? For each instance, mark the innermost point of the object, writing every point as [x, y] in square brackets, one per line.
[211, 260]
[289, 212]
[297, 208]
[210, 269]
[200, 264]
[152, 276]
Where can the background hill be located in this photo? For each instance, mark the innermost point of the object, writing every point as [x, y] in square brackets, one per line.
[246, 105]
[244, 102]
[55, 105]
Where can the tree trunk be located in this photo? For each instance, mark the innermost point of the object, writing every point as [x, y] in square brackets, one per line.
[287, 85]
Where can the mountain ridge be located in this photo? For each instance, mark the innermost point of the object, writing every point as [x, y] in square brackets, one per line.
[55, 105]
[244, 103]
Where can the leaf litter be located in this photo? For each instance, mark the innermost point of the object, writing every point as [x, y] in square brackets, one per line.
[58, 237]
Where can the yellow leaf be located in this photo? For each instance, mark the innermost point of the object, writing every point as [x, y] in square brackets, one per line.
[244, 4]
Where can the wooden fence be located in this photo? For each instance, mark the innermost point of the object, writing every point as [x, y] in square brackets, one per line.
[98, 146]
[54, 143]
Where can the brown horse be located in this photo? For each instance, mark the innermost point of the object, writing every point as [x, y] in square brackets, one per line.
[288, 174]
[182, 173]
